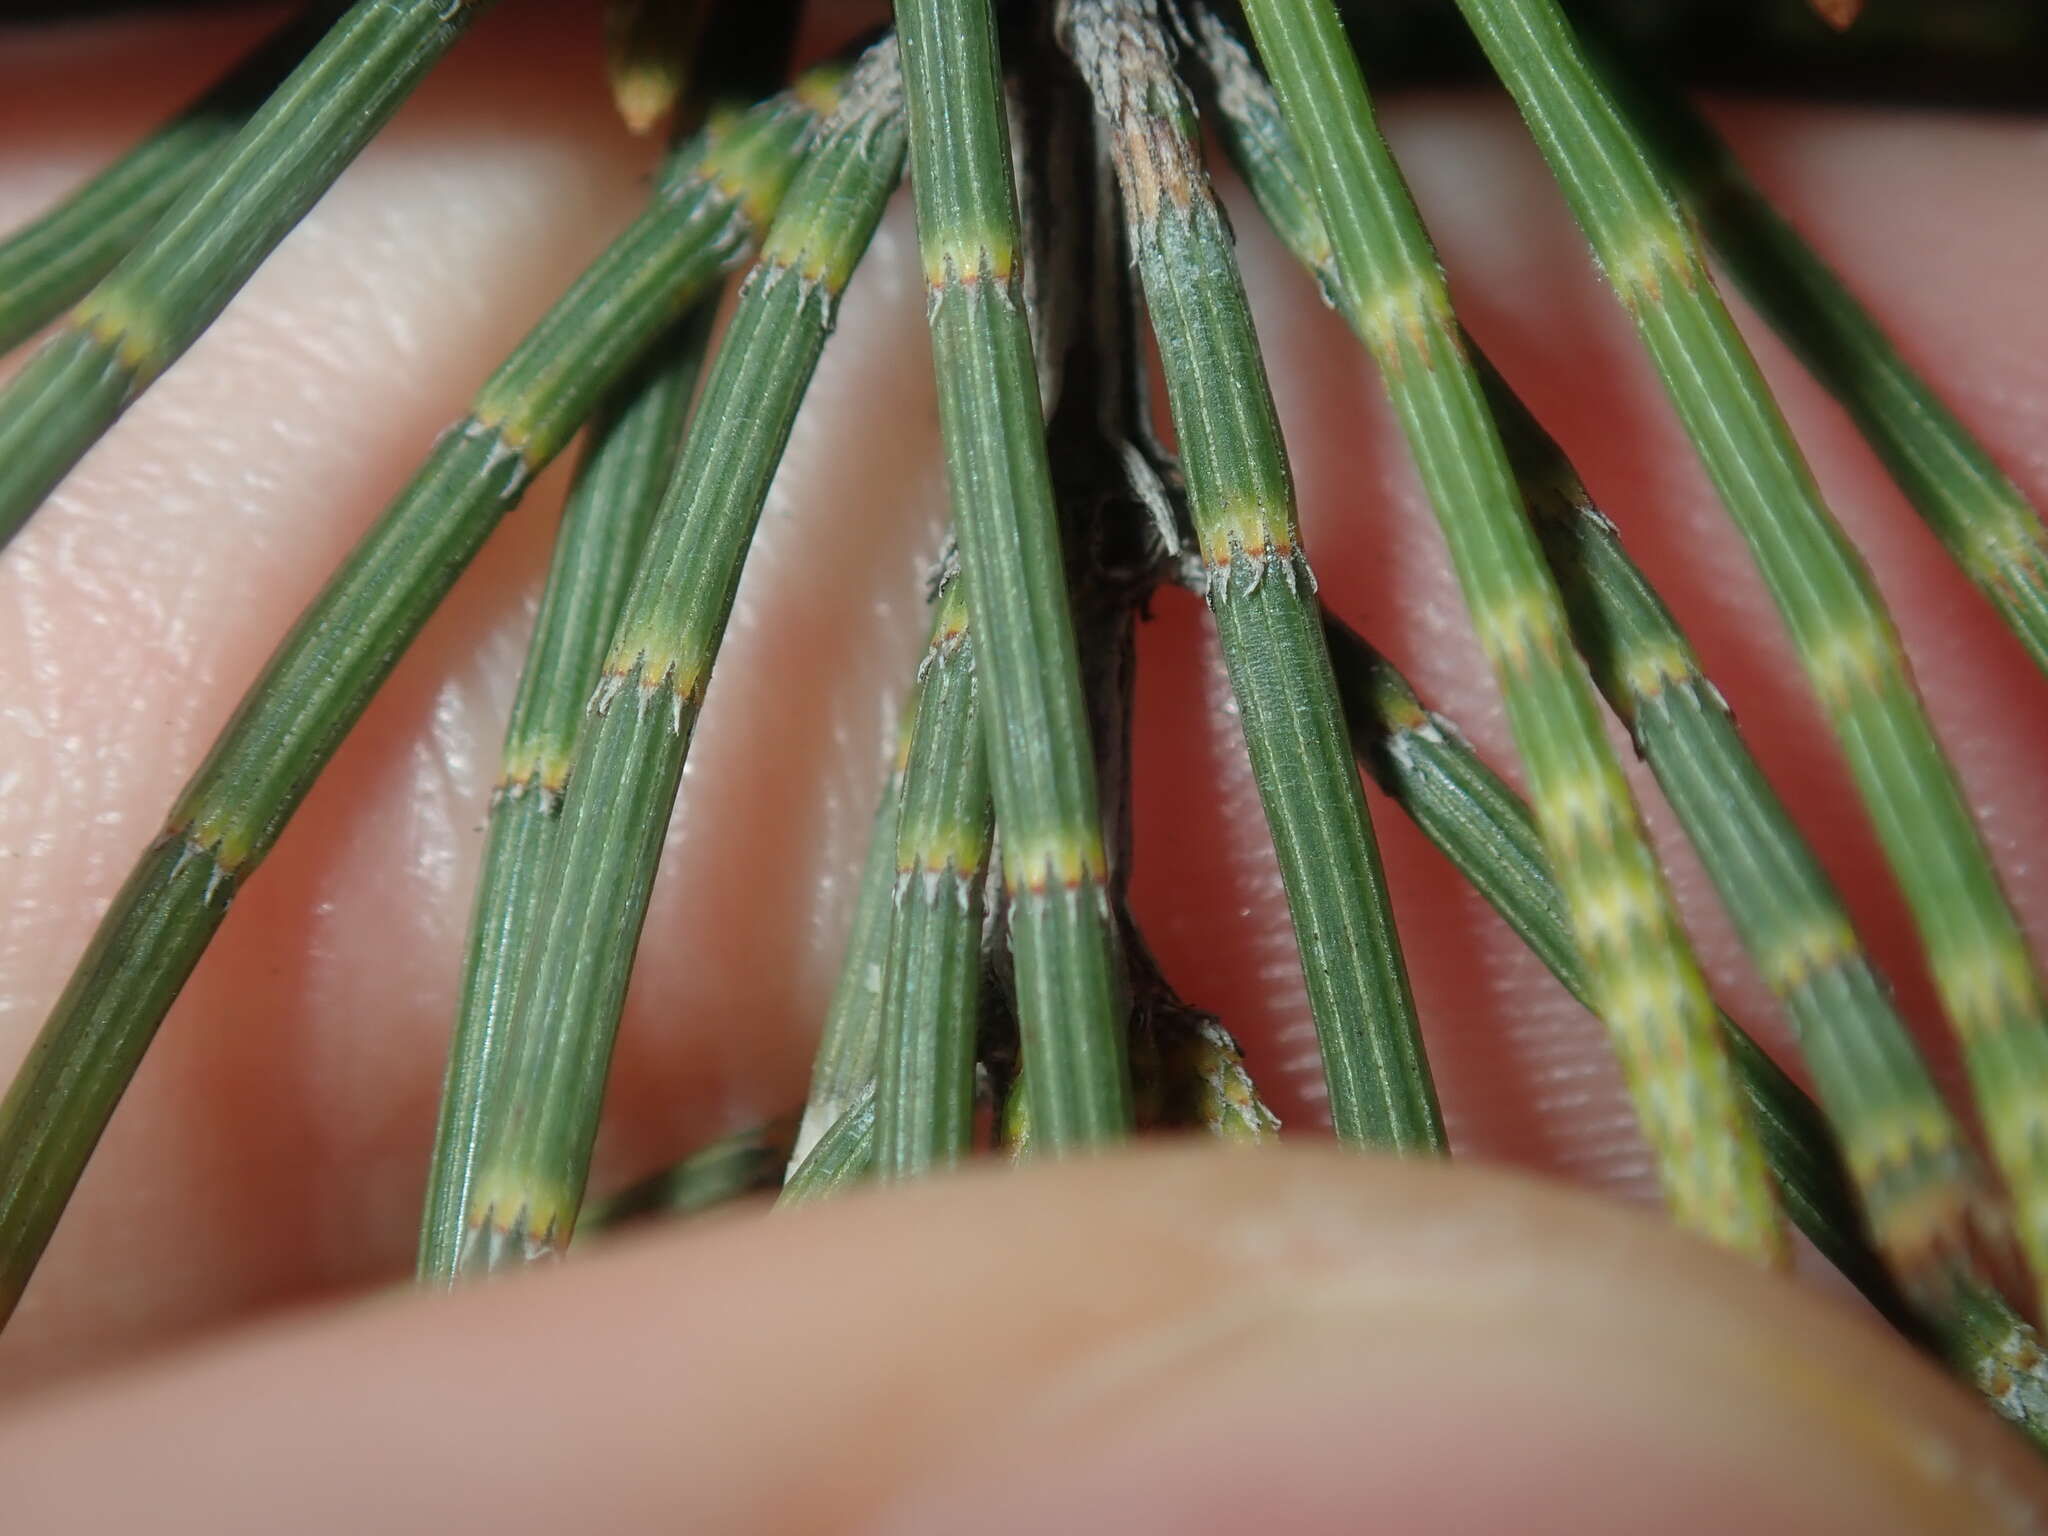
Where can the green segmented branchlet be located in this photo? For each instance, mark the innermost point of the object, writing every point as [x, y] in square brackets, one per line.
[841, 1158]
[1838, 621]
[1651, 995]
[1260, 588]
[53, 260]
[167, 289]
[1972, 506]
[541, 1116]
[845, 1061]
[924, 1080]
[632, 451]
[1122, 533]
[343, 647]
[1070, 991]
[745, 1163]
[1922, 1191]
[1480, 824]
[1484, 828]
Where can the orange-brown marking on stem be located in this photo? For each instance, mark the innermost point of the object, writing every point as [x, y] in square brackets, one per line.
[1058, 863]
[949, 266]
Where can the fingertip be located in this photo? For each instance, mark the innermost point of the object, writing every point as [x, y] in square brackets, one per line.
[1178, 1339]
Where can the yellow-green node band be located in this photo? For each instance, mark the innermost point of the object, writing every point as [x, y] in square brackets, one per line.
[1055, 863]
[1661, 1004]
[820, 90]
[824, 273]
[950, 265]
[221, 839]
[1414, 311]
[1405, 716]
[1880, 1147]
[539, 1217]
[2002, 543]
[1858, 657]
[1984, 987]
[512, 423]
[1244, 529]
[1608, 911]
[1792, 961]
[124, 331]
[740, 187]
[1652, 669]
[650, 673]
[545, 771]
[1638, 272]
[1519, 630]
[955, 851]
[1581, 814]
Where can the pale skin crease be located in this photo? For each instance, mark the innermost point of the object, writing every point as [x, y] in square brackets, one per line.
[272, 1150]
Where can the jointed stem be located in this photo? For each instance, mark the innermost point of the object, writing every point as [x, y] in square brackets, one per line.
[1649, 989]
[1260, 589]
[1838, 621]
[924, 1082]
[195, 258]
[540, 1122]
[53, 260]
[633, 448]
[1984, 520]
[343, 647]
[1464, 808]
[1922, 1192]
[1070, 992]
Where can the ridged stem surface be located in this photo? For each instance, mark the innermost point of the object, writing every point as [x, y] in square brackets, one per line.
[1838, 622]
[540, 1120]
[1069, 986]
[924, 1082]
[55, 258]
[1647, 985]
[172, 283]
[1480, 824]
[1981, 517]
[324, 674]
[634, 441]
[1260, 589]
[1922, 1192]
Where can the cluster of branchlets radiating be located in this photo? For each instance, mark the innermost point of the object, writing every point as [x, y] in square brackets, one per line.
[992, 954]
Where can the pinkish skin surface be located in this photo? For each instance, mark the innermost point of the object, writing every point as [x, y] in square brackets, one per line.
[272, 1150]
